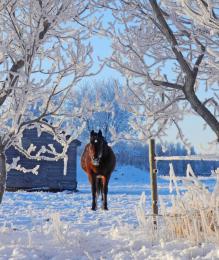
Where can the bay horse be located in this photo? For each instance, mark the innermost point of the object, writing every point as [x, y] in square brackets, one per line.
[98, 161]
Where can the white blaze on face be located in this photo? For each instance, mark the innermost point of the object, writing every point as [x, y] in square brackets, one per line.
[95, 141]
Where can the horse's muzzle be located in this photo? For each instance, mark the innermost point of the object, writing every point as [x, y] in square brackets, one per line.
[96, 162]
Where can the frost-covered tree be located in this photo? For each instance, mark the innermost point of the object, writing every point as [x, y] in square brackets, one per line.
[165, 59]
[204, 17]
[44, 53]
[101, 109]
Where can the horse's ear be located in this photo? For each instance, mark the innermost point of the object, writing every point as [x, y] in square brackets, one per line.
[92, 133]
[100, 133]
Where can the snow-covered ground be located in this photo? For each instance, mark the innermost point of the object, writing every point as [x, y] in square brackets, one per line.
[61, 225]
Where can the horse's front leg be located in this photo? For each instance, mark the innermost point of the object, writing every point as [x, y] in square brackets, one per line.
[104, 192]
[93, 191]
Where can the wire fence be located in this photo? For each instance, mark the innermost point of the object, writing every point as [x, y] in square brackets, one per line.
[205, 157]
[194, 212]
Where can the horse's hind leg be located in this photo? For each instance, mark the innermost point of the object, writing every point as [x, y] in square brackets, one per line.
[99, 186]
[94, 192]
[104, 193]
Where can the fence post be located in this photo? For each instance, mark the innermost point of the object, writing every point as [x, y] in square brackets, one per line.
[153, 177]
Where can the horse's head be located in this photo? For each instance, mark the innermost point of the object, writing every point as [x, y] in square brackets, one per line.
[96, 147]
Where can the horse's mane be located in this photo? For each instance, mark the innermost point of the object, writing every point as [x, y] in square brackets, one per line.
[105, 141]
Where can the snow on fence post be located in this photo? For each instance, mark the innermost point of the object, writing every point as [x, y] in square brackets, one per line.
[153, 177]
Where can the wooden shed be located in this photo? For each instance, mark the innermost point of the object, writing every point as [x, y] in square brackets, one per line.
[50, 174]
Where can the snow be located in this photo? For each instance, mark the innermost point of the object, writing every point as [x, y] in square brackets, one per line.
[42, 225]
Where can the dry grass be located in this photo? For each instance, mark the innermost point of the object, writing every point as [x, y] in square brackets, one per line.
[193, 214]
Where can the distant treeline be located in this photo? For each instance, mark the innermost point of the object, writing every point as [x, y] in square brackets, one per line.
[137, 155]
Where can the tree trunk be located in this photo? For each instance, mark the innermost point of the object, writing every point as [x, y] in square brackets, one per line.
[201, 110]
[3, 173]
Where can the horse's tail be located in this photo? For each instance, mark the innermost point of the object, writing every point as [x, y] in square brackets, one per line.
[99, 186]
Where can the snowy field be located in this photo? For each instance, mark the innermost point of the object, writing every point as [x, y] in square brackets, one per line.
[61, 225]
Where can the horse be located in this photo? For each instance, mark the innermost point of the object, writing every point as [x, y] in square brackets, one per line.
[98, 161]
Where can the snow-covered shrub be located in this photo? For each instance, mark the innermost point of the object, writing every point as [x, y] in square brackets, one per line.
[147, 221]
[193, 213]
